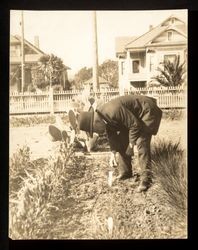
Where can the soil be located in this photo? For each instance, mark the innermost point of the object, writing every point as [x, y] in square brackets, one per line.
[93, 203]
[41, 145]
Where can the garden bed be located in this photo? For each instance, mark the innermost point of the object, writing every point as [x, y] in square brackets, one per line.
[58, 194]
[69, 198]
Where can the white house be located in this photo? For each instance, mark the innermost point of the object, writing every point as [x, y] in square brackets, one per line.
[139, 57]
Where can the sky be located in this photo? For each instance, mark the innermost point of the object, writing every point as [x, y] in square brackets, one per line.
[69, 34]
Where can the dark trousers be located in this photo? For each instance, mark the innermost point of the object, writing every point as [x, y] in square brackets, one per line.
[144, 153]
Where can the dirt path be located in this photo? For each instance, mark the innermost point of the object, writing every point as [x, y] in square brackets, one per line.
[135, 215]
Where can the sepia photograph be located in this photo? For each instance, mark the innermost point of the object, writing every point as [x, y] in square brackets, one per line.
[98, 124]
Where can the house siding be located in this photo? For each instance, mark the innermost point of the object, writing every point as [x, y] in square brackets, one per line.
[176, 37]
[152, 53]
[31, 57]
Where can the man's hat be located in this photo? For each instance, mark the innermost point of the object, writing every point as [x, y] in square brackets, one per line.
[85, 122]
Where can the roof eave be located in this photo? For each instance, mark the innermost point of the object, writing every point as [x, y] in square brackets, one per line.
[166, 44]
[137, 49]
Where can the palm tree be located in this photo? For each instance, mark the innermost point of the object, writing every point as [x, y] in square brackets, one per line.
[172, 73]
[52, 67]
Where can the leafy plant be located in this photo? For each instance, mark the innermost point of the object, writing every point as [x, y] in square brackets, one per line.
[170, 171]
[171, 73]
[45, 184]
[18, 163]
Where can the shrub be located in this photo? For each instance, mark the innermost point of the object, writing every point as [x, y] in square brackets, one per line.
[18, 163]
[171, 73]
[35, 120]
[173, 114]
[45, 184]
[169, 167]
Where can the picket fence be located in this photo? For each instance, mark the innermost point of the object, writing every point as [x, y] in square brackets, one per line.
[55, 102]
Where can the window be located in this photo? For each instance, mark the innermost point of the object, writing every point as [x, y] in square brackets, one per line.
[136, 66]
[170, 58]
[122, 67]
[151, 63]
[173, 20]
[14, 51]
[170, 35]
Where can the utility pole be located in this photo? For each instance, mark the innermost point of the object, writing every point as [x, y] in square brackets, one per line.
[95, 54]
[22, 53]
[51, 94]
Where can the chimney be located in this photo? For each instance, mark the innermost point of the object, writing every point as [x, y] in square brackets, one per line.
[36, 41]
[150, 27]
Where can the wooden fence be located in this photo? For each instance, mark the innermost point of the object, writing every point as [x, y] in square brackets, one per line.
[49, 102]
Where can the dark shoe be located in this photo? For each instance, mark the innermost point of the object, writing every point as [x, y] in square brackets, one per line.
[122, 177]
[144, 186]
[136, 176]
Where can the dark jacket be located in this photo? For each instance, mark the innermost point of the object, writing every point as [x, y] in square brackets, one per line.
[137, 113]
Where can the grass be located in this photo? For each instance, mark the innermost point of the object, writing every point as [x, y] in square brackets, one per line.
[170, 170]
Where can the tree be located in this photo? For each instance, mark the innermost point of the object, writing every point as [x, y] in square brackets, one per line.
[172, 73]
[48, 71]
[109, 71]
[82, 76]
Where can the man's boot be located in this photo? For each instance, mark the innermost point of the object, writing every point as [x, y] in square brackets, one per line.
[124, 176]
[144, 184]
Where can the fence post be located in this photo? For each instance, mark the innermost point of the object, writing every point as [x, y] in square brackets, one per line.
[51, 101]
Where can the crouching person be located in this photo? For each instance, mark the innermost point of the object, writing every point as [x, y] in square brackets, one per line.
[128, 120]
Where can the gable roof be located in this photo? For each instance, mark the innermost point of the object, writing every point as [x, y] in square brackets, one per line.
[17, 39]
[143, 40]
[121, 41]
[146, 37]
[13, 39]
[173, 16]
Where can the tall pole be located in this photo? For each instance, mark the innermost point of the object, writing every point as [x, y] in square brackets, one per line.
[22, 53]
[95, 54]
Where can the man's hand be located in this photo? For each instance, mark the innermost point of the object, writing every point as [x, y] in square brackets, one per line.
[112, 161]
[91, 142]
